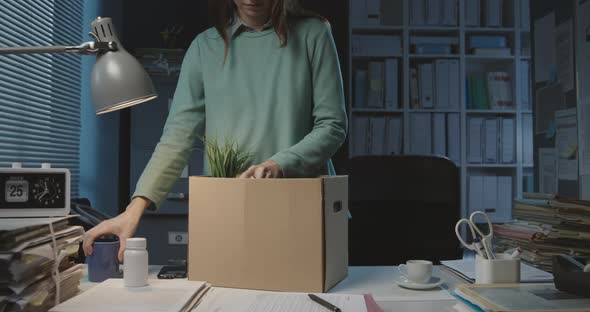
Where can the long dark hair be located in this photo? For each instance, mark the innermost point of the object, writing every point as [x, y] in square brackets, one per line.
[283, 14]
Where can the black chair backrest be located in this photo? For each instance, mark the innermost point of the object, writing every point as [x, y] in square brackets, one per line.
[403, 208]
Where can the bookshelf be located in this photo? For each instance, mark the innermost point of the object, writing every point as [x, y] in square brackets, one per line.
[517, 36]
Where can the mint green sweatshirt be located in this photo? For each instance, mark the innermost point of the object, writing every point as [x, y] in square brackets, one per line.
[282, 103]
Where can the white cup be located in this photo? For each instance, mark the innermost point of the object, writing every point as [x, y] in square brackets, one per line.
[417, 271]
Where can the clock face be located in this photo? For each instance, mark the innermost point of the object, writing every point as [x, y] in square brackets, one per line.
[47, 191]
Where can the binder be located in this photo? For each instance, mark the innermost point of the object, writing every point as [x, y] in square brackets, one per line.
[472, 13]
[417, 12]
[525, 91]
[393, 135]
[507, 139]
[360, 88]
[454, 87]
[414, 89]
[439, 135]
[476, 191]
[442, 83]
[433, 12]
[493, 13]
[525, 15]
[449, 17]
[376, 90]
[426, 85]
[391, 84]
[527, 139]
[490, 195]
[454, 138]
[377, 136]
[360, 131]
[474, 154]
[358, 12]
[491, 140]
[373, 12]
[421, 134]
[504, 212]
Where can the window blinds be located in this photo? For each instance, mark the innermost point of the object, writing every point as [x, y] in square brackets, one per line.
[40, 93]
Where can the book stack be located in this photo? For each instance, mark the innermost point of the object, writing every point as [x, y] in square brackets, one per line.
[30, 254]
[429, 45]
[491, 140]
[435, 85]
[488, 13]
[376, 12]
[436, 134]
[433, 12]
[377, 87]
[489, 45]
[377, 135]
[546, 225]
[493, 91]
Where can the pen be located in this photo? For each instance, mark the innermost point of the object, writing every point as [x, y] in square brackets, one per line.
[324, 303]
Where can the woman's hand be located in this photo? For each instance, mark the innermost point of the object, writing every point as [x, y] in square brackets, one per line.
[123, 225]
[267, 170]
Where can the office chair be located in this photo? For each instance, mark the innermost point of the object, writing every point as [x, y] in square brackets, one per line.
[403, 208]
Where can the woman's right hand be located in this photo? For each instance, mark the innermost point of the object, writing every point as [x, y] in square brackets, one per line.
[123, 225]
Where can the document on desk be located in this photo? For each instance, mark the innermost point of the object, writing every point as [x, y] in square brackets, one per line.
[159, 296]
[240, 300]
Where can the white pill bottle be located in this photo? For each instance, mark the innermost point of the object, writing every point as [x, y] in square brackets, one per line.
[135, 262]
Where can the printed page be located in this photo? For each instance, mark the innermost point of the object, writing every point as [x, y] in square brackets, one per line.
[237, 300]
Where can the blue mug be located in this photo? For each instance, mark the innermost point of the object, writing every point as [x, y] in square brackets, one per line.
[103, 263]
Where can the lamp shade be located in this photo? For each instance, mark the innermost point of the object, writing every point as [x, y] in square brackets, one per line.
[118, 80]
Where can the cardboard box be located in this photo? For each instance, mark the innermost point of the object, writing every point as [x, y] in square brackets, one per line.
[269, 234]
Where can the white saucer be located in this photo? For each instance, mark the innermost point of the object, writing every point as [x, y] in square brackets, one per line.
[406, 283]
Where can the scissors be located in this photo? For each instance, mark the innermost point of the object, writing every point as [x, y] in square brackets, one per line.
[482, 242]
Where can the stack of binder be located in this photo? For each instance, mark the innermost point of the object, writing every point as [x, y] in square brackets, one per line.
[377, 135]
[377, 87]
[492, 91]
[433, 12]
[435, 85]
[546, 225]
[436, 134]
[488, 13]
[28, 247]
[491, 140]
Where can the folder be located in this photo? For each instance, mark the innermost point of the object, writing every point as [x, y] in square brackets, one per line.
[433, 12]
[421, 134]
[393, 134]
[527, 139]
[391, 84]
[377, 135]
[442, 83]
[426, 85]
[358, 12]
[475, 193]
[360, 130]
[376, 90]
[373, 12]
[474, 126]
[360, 88]
[472, 13]
[454, 87]
[449, 17]
[491, 140]
[504, 212]
[507, 139]
[439, 137]
[417, 12]
[490, 195]
[454, 138]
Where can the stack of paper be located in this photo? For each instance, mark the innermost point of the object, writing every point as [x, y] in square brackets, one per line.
[519, 297]
[546, 227]
[27, 262]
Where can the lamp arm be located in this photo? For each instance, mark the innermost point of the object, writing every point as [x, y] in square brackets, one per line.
[85, 48]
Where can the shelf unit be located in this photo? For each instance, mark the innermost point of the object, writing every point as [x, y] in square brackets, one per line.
[515, 36]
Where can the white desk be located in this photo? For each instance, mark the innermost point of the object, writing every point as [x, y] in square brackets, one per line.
[378, 281]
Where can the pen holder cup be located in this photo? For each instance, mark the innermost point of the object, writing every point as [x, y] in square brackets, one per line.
[502, 270]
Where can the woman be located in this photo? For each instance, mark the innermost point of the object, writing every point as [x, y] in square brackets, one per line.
[267, 76]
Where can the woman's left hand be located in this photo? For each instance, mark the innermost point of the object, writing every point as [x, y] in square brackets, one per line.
[266, 170]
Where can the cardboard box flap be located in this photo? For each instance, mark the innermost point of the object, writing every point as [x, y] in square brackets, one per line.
[335, 195]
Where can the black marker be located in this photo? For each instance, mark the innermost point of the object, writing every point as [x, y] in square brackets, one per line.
[324, 303]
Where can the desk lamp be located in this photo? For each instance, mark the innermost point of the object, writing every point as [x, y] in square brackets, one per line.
[118, 80]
